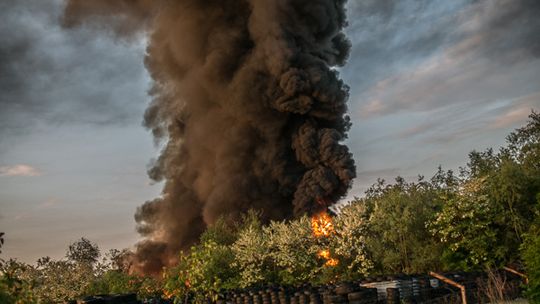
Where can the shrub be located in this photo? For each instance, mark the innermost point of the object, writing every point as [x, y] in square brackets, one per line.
[530, 253]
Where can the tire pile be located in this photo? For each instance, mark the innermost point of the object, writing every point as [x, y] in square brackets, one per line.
[328, 294]
[358, 292]
[108, 299]
[381, 290]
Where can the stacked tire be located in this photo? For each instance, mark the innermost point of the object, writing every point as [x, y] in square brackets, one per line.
[363, 296]
[392, 296]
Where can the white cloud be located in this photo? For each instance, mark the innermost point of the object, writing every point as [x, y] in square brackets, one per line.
[19, 170]
[49, 203]
[518, 111]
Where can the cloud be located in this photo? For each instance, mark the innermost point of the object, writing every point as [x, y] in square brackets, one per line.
[445, 80]
[49, 203]
[517, 112]
[387, 34]
[54, 76]
[479, 53]
[19, 170]
[418, 129]
[471, 122]
[509, 118]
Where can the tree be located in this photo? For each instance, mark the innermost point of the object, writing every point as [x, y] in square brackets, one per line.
[349, 242]
[398, 240]
[84, 252]
[208, 267]
[292, 251]
[495, 204]
[251, 256]
[1, 241]
[530, 254]
[466, 225]
[16, 285]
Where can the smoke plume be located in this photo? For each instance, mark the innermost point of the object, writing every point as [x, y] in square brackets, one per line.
[248, 101]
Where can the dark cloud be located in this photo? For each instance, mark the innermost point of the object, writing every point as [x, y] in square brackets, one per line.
[49, 75]
[478, 52]
[386, 34]
[124, 17]
[505, 28]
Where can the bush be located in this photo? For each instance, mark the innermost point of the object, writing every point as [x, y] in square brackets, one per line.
[15, 285]
[349, 243]
[530, 253]
[207, 268]
[398, 240]
[466, 225]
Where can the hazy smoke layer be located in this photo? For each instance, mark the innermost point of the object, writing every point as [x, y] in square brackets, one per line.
[251, 110]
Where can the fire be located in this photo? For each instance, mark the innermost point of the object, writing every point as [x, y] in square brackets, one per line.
[325, 254]
[321, 224]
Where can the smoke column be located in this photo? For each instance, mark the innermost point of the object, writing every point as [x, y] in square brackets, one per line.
[249, 105]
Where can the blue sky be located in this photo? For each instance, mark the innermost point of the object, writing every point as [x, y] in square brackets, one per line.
[430, 81]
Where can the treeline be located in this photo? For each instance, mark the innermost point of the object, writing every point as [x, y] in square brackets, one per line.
[486, 215]
[83, 271]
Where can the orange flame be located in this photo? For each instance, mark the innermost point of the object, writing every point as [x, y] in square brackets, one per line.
[325, 254]
[321, 224]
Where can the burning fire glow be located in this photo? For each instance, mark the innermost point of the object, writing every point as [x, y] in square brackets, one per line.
[325, 254]
[322, 226]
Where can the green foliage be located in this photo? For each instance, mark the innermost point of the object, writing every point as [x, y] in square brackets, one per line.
[16, 287]
[114, 282]
[61, 280]
[349, 243]
[466, 225]
[210, 268]
[292, 251]
[83, 252]
[288, 252]
[397, 237]
[67, 279]
[80, 274]
[495, 203]
[530, 253]
[251, 254]
[207, 268]
[252, 257]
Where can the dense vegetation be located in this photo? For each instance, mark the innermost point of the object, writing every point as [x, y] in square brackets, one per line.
[485, 216]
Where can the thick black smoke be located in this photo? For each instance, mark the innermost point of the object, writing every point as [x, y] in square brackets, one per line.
[246, 97]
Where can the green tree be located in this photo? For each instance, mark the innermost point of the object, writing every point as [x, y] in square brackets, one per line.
[16, 285]
[349, 242]
[530, 253]
[289, 253]
[207, 268]
[292, 251]
[251, 256]
[398, 239]
[84, 252]
[496, 202]
[466, 226]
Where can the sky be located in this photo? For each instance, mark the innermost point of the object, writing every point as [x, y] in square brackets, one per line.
[430, 81]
